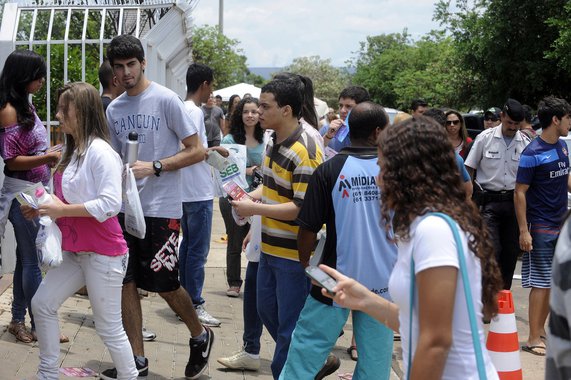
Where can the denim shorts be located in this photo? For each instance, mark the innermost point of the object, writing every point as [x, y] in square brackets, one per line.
[536, 265]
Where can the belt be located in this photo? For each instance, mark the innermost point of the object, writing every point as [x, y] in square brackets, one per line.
[498, 192]
[482, 196]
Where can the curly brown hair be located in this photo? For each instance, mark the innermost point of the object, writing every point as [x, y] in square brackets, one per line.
[419, 174]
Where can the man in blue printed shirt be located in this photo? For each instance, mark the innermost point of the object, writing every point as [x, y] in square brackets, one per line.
[343, 194]
[541, 202]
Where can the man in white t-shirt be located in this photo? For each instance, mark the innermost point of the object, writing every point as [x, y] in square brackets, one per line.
[159, 117]
[197, 196]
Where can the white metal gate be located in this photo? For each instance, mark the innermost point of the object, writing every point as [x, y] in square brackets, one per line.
[72, 36]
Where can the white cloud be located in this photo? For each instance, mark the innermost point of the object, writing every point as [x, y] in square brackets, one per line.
[274, 33]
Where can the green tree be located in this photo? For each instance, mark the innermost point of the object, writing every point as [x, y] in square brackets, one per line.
[395, 70]
[328, 81]
[505, 45]
[222, 54]
[560, 47]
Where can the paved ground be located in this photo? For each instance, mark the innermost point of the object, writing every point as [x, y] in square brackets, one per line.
[168, 354]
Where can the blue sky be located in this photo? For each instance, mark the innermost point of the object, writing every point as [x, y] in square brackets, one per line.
[273, 33]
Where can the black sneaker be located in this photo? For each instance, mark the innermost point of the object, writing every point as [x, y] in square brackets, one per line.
[331, 365]
[199, 354]
[111, 373]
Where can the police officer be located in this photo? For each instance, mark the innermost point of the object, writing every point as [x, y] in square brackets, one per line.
[495, 158]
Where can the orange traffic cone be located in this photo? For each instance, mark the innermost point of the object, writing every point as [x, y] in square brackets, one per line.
[503, 343]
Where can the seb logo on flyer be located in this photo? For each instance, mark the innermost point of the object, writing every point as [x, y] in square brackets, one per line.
[229, 172]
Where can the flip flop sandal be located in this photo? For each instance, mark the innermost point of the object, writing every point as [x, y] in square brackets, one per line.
[62, 338]
[352, 351]
[18, 329]
[534, 350]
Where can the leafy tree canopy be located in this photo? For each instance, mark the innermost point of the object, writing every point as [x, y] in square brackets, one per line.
[223, 55]
[510, 48]
[397, 70]
[328, 81]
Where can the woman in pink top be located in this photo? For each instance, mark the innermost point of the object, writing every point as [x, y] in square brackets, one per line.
[87, 199]
[27, 160]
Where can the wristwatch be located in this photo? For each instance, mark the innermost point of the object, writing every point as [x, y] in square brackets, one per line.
[158, 167]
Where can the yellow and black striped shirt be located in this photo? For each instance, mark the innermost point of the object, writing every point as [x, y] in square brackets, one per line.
[287, 168]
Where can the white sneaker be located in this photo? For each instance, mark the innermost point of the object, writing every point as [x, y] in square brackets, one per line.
[148, 335]
[240, 360]
[205, 318]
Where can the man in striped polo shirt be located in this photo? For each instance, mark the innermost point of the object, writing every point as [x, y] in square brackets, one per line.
[290, 159]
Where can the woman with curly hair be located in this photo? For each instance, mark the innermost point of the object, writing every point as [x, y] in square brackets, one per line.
[457, 132]
[418, 176]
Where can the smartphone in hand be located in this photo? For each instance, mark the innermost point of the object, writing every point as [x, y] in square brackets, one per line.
[323, 279]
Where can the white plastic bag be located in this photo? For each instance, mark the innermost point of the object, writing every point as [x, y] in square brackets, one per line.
[134, 218]
[48, 246]
[254, 247]
[234, 170]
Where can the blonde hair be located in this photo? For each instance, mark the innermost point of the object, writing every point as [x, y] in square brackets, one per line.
[91, 121]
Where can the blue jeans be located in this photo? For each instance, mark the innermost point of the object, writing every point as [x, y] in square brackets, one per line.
[196, 224]
[252, 323]
[282, 290]
[27, 275]
[315, 335]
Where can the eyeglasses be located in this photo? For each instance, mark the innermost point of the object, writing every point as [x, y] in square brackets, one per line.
[452, 122]
[490, 118]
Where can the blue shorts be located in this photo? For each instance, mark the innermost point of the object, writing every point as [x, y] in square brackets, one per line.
[536, 265]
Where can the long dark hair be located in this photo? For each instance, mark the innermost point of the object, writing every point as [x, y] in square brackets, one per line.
[21, 68]
[231, 105]
[306, 87]
[237, 129]
[462, 131]
[91, 120]
[419, 174]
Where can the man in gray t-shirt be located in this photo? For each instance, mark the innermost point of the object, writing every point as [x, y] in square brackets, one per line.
[168, 141]
[213, 121]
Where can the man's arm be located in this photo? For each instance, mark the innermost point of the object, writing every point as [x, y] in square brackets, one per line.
[332, 131]
[192, 153]
[468, 189]
[520, 203]
[221, 124]
[470, 172]
[257, 193]
[305, 244]
[283, 211]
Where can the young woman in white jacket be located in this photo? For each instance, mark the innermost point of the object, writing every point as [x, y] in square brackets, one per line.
[87, 200]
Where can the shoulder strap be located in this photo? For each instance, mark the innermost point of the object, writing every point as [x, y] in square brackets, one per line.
[467, 294]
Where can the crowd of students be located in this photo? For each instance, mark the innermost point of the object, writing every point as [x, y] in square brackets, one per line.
[410, 252]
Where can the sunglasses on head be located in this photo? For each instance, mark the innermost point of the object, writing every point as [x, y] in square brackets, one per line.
[452, 122]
